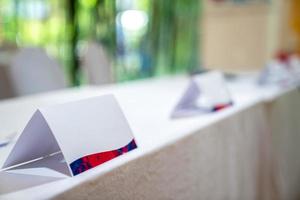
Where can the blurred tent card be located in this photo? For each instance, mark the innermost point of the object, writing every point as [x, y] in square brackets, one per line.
[283, 72]
[276, 72]
[73, 137]
[206, 93]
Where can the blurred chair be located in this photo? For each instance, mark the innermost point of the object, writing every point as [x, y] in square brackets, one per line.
[96, 65]
[7, 51]
[33, 71]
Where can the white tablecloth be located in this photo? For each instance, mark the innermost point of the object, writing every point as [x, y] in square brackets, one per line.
[225, 155]
[284, 117]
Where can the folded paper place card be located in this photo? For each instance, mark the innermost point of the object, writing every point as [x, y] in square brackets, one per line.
[73, 137]
[276, 72]
[206, 93]
[283, 72]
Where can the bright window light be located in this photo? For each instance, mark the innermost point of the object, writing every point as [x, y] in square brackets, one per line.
[133, 20]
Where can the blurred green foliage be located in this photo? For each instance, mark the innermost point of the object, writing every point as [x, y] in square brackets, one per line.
[173, 37]
[59, 26]
[168, 44]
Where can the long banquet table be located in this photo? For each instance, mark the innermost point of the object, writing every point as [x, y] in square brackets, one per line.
[248, 151]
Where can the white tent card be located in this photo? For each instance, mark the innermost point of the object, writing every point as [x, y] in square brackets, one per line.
[80, 135]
